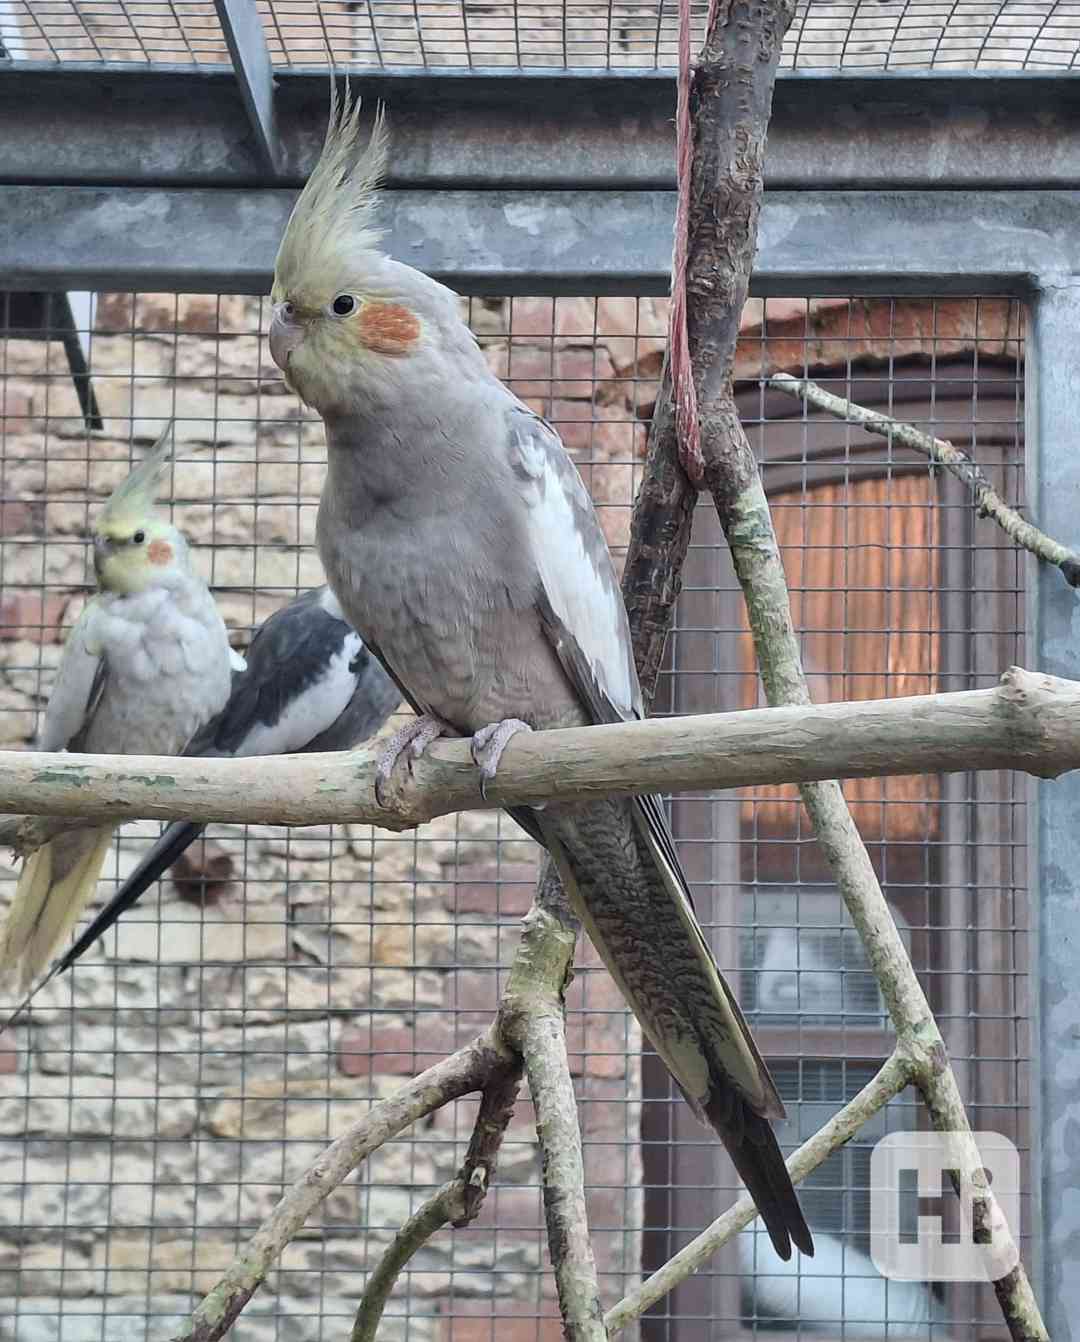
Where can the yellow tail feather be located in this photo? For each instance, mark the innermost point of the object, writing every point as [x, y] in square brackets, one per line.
[56, 884]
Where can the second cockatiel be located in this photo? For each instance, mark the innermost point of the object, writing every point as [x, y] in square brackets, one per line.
[145, 666]
[463, 547]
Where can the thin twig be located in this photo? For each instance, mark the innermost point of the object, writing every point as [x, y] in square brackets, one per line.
[443, 1207]
[889, 1082]
[465, 1071]
[1029, 722]
[988, 501]
[477, 1172]
[456, 1203]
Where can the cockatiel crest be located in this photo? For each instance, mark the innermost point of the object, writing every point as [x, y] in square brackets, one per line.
[133, 548]
[350, 324]
[332, 226]
[144, 667]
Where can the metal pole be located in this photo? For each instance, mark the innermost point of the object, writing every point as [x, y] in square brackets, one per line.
[1053, 468]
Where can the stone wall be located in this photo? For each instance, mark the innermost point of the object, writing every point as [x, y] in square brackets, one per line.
[161, 1096]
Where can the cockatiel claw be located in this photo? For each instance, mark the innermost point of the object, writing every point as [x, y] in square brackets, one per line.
[410, 741]
[488, 744]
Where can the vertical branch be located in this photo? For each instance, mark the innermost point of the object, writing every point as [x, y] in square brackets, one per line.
[732, 106]
[532, 1021]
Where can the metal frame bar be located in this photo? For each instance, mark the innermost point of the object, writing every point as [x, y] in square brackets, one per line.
[811, 243]
[193, 127]
[246, 41]
[1053, 471]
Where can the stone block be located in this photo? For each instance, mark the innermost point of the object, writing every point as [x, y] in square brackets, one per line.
[397, 1050]
[503, 890]
[95, 1106]
[49, 1268]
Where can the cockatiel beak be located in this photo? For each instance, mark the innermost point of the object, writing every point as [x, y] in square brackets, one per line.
[286, 332]
[102, 549]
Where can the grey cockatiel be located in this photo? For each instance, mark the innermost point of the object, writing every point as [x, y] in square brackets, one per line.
[145, 666]
[464, 548]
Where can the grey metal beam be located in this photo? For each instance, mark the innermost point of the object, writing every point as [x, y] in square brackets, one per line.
[562, 130]
[244, 36]
[1053, 470]
[554, 242]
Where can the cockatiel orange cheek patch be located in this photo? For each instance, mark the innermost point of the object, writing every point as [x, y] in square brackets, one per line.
[159, 552]
[386, 328]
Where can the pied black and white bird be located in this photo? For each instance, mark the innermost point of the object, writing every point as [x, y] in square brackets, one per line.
[309, 685]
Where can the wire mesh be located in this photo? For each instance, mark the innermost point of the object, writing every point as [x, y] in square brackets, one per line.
[893, 35]
[162, 1094]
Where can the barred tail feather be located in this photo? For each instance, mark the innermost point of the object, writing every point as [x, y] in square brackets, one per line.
[56, 884]
[631, 896]
[759, 1162]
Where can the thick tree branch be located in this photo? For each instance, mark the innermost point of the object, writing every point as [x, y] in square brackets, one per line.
[532, 1020]
[889, 1082]
[1029, 722]
[988, 502]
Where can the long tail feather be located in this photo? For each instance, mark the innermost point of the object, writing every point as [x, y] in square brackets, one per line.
[56, 884]
[174, 841]
[631, 897]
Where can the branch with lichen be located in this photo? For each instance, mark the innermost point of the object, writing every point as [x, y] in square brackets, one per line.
[988, 502]
[1028, 721]
[527, 1033]
[743, 509]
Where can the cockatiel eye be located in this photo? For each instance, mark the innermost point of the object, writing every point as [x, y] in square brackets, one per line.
[344, 305]
[138, 538]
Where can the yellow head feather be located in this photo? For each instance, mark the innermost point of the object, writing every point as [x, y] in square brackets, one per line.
[332, 224]
[133, 500]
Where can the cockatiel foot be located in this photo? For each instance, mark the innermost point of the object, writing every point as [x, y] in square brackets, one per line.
[488, 744]
[411, 740]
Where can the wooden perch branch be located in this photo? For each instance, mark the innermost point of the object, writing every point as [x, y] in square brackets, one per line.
[1029, 722]
[988, 501]
[731, 120]
[456, 1203]
[744, 514]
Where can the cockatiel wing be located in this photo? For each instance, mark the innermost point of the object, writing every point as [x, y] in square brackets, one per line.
[77, 690]
[583, 616]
